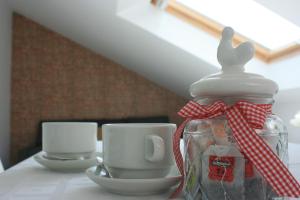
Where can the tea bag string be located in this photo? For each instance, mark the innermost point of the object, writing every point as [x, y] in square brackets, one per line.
[222, 180]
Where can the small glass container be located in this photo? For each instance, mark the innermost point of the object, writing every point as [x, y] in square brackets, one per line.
[215, 169]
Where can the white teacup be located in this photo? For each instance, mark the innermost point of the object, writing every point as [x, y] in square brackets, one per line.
[138, 150]
[69, 139]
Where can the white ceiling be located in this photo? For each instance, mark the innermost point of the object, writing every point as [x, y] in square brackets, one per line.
[147, 40]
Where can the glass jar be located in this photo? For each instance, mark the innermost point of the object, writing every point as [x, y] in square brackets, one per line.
[210, 140]
[215, 168]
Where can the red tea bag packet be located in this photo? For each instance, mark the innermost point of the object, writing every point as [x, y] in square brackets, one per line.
[223, 172]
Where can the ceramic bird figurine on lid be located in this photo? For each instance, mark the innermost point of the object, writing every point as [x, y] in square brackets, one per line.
[233, 59]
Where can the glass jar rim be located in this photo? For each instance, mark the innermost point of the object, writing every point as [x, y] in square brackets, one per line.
[233, 99]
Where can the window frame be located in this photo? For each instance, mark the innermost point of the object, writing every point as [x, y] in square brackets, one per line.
[196, 19]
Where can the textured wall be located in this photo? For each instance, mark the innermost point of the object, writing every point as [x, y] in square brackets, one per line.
[55, 78]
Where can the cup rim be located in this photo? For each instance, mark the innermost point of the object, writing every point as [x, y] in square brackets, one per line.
[139, 125]
[68, 123]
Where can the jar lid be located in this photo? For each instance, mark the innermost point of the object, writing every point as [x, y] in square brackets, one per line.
[232, 80]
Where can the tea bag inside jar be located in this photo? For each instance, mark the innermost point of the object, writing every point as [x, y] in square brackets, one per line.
[255, 186]
[223, 172]
[197, 139]
[221, 131]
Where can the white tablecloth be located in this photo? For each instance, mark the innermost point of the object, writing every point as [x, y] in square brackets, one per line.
[30, 181]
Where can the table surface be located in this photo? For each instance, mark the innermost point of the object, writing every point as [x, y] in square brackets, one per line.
[30, 181]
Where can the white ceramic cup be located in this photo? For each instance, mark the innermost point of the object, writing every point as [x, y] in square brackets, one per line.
[138, 150]
[69, 139]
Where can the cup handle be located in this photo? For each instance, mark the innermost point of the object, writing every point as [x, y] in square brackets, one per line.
[154, 148]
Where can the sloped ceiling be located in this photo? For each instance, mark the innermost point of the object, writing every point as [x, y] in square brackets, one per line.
[105, 27]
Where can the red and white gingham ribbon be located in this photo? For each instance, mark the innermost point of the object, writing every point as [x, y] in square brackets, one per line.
[243, 117]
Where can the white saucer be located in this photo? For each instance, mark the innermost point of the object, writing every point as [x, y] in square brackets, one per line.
[66, 165]
[135, 186]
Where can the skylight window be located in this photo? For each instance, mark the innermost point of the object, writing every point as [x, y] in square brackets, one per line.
[273, 35]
